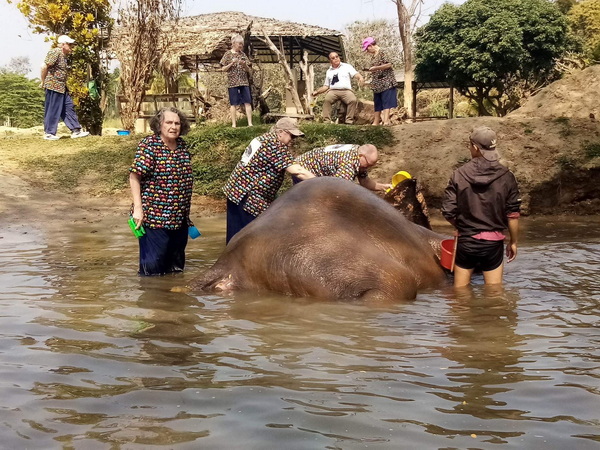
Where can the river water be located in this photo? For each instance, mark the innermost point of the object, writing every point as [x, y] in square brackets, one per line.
[93, 357]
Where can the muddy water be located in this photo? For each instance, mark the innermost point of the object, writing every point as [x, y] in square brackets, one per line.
[93, 357]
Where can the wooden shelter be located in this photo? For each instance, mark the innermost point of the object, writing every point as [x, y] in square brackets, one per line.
[199, 42]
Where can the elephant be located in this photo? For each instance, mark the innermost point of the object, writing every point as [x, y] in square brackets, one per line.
[329, 238]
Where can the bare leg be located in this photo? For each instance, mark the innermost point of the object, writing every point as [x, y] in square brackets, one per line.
[233, 118]
[386, 116]
[248, 107]
[462, 277]
[494, 276]
[377, 118]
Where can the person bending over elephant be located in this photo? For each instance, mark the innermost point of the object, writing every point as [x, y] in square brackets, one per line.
[345, 161]
[253, 184]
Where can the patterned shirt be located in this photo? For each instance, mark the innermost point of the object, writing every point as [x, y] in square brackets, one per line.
[166, 182]
[236, 75]
[56, 79]
[341, 161]
[259, 174]
[382, 80]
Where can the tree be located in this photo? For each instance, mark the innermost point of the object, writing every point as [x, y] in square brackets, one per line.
[584, 18]
[88, 22]
[19, 65]
[143, 37]
[407, 21]
[21, 100]
[493, 53]
[385, 33]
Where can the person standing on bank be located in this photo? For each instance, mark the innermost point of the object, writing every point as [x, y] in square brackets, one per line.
[383, 82]
[338, 85]
[58, 104]
[161, 183]
[237, 65]
[253, 184]
[481, 201]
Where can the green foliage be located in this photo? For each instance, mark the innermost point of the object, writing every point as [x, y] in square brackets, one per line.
[21, 99]
[492, 51]
[83, 21]
[584, 18]
[386, 35]
[592, 149]
[565, 162]
[566, 129]
[217, 149]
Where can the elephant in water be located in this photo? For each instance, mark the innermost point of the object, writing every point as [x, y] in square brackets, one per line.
[332, 239]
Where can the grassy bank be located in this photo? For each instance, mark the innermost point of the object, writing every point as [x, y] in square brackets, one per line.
[98, 165]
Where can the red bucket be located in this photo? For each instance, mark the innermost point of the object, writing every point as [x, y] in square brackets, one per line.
[447, 254]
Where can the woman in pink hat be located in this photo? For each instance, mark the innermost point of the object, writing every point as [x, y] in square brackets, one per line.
[383, 82]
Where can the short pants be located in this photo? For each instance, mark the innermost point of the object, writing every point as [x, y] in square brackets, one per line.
[240, 95]
[479, 254]
[386, 99]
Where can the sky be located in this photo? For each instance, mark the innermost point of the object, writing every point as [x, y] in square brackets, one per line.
[17, 39]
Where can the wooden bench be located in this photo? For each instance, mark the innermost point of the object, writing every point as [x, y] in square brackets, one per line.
[274, 117]
[152, 103]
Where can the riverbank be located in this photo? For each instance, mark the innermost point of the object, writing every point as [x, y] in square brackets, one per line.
[556, 161]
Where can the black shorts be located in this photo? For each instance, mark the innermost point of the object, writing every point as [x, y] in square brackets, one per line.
[479, 254]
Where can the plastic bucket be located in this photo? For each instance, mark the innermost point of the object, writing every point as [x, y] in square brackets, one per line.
[447, 253]
[399, 177]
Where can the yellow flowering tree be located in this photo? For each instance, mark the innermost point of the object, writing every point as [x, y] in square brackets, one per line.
[87, 22]
[584, 18]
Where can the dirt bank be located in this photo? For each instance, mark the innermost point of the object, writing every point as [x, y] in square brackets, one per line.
[549, 158]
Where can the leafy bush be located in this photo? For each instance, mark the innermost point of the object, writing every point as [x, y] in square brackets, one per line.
[21, 99]
[592, 149]
[218, 148]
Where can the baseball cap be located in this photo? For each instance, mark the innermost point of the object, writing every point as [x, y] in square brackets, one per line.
[289, 124]
[485, 139]
[64, 39]
[366, 42]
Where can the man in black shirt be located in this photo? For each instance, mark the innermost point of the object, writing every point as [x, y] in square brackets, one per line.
[481, 201]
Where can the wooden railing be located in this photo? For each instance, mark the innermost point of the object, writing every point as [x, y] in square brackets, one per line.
[152, 103]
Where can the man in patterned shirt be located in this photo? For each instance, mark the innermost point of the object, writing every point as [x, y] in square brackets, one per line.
[237, 65]
[253, 184]
[343, 161]
[58, 104]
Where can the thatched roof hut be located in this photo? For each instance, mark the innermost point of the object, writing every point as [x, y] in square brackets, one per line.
[199, 42]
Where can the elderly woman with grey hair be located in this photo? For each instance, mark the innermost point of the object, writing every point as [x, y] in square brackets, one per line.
[161, 186]
[237, 65]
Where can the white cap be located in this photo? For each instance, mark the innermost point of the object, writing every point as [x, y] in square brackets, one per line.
[64, 39]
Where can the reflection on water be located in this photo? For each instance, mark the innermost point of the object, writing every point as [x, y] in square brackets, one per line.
[92, 356]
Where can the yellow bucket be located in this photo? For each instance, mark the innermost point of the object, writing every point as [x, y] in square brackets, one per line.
[398, 178]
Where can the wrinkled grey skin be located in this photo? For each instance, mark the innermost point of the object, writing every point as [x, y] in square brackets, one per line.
[332, 239]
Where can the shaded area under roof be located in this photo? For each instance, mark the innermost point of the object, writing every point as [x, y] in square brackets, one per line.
[201, 41]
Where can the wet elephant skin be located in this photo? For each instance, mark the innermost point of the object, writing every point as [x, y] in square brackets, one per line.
[332, 239]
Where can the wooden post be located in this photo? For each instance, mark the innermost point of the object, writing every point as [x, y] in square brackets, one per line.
[291, 79]
[414, 99]
[451, 105]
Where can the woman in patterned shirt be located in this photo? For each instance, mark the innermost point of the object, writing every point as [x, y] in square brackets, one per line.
[161, 186]
[383, 82]
[237, 65]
